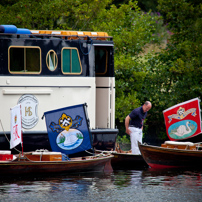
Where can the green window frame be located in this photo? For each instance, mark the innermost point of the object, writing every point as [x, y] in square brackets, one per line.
[24, 60]
[71, 63]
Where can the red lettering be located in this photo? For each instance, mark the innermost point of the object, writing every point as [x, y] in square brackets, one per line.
[15, 132]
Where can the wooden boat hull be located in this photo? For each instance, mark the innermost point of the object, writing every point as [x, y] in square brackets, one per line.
[127, 161]
[44, 167]
[159, 157]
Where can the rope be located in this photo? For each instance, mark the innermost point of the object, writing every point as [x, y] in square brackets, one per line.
[198, 145]
[88, 152]
[88, 38]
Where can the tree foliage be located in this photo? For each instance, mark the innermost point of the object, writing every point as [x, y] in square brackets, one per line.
[52, 14]
[175, 73]
[139, 76]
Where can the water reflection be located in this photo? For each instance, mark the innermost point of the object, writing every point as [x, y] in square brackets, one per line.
[172, 178]
[129, 185]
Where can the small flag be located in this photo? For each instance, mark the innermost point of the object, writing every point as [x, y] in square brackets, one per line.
[183, 120]
[68, 129]
[16, 126]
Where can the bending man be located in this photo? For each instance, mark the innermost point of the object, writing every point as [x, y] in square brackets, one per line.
[134, 125]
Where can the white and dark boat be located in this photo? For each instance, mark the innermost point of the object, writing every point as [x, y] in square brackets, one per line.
[45, 70]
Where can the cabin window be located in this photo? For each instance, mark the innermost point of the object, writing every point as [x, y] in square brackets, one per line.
[51, 60]
[24, 60]
[71, 61]
[101, 57]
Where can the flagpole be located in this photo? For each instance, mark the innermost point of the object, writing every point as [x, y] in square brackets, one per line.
[21, 131]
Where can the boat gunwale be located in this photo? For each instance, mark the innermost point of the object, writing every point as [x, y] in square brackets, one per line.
[74, 161]
[125, 154]
[171, 150]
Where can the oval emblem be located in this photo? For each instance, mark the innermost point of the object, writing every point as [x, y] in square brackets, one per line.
[29, 105]
[182, 129]
[70, 139]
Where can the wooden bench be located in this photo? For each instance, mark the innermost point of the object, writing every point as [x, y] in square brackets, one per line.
[180, 145]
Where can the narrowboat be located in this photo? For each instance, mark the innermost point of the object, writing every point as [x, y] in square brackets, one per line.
[45, 70]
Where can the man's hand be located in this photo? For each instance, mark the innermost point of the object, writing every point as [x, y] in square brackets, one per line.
[128, 131]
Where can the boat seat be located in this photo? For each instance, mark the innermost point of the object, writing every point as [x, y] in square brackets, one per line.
[179, 145]
[5, 152]
[46, 153]
[43, 155]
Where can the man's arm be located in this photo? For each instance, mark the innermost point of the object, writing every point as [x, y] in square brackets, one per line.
[127, 119]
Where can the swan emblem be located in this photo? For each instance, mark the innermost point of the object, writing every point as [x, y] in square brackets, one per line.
[182, 129]
[70, 140]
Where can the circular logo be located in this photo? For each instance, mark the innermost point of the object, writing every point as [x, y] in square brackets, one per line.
[29, 105]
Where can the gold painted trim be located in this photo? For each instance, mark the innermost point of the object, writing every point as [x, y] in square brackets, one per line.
[55, 62]
[70, 61]
[24, 60]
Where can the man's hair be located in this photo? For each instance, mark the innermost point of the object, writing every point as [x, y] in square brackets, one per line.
[147, 102]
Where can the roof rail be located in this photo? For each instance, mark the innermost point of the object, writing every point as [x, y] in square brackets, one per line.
[73, 34]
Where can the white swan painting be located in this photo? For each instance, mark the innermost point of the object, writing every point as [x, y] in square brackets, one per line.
[182, 129]
[70, 139]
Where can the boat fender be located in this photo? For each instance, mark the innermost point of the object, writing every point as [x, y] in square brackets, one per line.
[10, 29]
[23, 31]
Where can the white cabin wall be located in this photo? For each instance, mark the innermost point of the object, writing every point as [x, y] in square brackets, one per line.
[112, 102]
[51, 93]
[105, 102]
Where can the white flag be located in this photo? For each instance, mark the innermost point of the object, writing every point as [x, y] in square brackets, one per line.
[16, 126]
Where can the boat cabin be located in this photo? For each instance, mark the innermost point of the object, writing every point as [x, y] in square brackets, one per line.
[48, 69]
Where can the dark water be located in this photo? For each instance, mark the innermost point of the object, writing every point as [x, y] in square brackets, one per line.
[127, 186]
